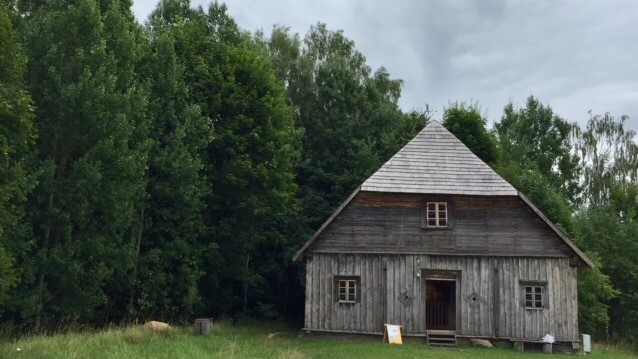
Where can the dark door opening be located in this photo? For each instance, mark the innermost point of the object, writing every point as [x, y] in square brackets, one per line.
[440, 305]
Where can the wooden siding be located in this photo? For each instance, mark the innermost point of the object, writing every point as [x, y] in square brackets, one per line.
[393, 223]
[495, 280]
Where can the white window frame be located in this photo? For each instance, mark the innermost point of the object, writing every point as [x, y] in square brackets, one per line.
[433, 212]
[347, 290]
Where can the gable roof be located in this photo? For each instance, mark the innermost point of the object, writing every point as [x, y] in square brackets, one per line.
[436, 162]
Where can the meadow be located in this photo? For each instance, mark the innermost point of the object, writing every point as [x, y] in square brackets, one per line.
[247, 341]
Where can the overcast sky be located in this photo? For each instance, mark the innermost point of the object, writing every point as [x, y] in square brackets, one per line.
[575, 56]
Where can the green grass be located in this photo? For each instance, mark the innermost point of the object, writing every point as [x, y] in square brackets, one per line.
[229, 341]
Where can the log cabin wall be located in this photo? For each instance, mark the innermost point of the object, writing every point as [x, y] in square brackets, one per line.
[496, 282]
[479, 225]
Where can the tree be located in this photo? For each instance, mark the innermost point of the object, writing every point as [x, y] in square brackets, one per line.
[249, 161]
[609, 157]
[602, 230]
[468, 124]
[349, 115]
[167, 269]
[610, 221]
[82, 64]
[595, 292]
[535, 138]
[17, 135]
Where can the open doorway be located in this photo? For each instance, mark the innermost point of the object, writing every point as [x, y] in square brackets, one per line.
[440, 304]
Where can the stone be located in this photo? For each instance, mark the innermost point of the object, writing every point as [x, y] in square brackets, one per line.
[156, 326]
[482, 343]
[272, 335]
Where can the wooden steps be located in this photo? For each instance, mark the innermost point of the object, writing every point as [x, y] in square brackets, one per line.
[441, 338]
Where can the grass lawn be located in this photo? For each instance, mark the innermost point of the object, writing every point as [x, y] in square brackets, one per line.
[229, 341]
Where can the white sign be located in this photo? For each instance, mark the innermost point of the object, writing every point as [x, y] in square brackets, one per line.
[392, 334]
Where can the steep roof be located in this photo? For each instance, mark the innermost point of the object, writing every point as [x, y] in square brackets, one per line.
[437, 162]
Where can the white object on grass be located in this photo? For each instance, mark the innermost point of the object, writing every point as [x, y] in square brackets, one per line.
[586, 339]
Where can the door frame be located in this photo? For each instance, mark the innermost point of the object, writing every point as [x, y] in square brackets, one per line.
[443, 275]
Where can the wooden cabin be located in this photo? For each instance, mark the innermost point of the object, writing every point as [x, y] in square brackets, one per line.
[437, 242]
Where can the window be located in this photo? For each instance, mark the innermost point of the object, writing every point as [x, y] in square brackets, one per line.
[534, 296]
[347, 289]
[436, 216]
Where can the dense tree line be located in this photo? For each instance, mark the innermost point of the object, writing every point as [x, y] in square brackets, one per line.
[171, 170]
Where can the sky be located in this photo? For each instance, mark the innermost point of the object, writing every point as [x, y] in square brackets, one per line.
[574, 56]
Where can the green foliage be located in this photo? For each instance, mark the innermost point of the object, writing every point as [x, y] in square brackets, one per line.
[349, 116]
[610, 157]
[467, 123]
[17, 135]
[250, 157]
[535, 138]
[168, 256]
[89, 107]
[536, 159]
[610, 222]
[595, 291]
[550, 201]
[603, 230]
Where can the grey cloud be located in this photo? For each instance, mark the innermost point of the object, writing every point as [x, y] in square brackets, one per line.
[573, 55]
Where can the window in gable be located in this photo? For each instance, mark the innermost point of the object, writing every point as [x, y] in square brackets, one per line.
[436, 215]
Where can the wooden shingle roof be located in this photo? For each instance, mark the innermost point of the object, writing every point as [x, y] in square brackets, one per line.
[436, 162]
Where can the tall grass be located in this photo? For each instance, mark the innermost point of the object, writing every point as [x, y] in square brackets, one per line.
[228, 341]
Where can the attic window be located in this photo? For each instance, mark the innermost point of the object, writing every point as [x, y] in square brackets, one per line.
[436, 216]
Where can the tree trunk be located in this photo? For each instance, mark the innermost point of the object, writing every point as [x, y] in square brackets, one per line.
[44, 248]
[243, 313]
[136, 262]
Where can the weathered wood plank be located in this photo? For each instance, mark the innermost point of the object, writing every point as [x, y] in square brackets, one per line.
[384, 295]
[323, 277]
[495, 299]
[331, 296]
[409, 285]
[309, 303]
[316, 294]
[495, 279]
[500, 226]
[573, 276]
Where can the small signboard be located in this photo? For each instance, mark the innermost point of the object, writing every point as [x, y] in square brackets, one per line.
[392, 334]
